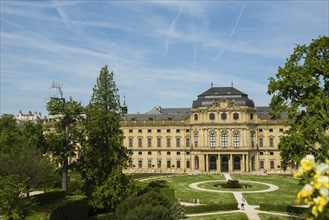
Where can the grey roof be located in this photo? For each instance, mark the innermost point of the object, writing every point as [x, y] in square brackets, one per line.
[217, 93]
[263, 112]
[158, 113]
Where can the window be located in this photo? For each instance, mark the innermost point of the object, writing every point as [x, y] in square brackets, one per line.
[196, 117]
[272, 164]
[177, 142]
[149, 130]
[196, 140]
[177, 130]
[158, 130]
[235, 116]
[224, 140]
[168, 163]
[168, 130]
[178, 163]
[260, 130]
[196, 162]
[150, 119]
[168, 152]
[271, 142]
[211, 116]
[261, 153]
[130, 130]
[139, 142]
[140, 153]
[251, 116]
[281, 129]
[158, 142]
[261, 142]
[187, 153]
[139, 130]
[149, 153]
[130, 163]
[168, 142]
[187, 142]
[236, 140]
[187, 130]
[149, 142]
[261, 164]
[188, 164]
[177, 153]
[223, 116]
[149, 163]
[212, 140]
[271, 153]
[252, 139]
[130, 142]
[159, 163]
[140, 163]
[159, 153]
[271, 130]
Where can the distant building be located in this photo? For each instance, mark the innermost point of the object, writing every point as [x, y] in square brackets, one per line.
[34, 117]
[223, 132]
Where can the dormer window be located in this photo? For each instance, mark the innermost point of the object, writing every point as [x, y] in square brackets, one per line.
[235, 116]
[223, 116]
[211, 116]
[196, 117]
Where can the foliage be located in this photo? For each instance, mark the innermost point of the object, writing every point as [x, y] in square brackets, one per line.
[11, 203]
[63, 138]
[315, 178]
[211, 207]
[301, 89]
[49, 197]
[281, 207]
[75, 187]
[103, 151]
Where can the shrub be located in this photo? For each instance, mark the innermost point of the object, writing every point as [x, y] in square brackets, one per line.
[72, 209]
[48, 197]
[75, 187]
[210, 207]
[282, 208]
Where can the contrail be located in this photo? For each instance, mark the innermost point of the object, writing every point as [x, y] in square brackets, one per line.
[233, 30]
[172, 28]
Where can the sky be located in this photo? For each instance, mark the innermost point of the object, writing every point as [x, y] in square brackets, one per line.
[162, 53]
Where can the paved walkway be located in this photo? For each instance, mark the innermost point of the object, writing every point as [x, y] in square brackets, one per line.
[250, 210]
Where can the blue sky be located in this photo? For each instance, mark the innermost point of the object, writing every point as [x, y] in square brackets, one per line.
[163, 53]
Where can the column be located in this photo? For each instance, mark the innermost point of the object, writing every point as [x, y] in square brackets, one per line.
[242, 163]
[207, 163]
[230, 167]
[257, 162]
[218, 163]
[247, 163]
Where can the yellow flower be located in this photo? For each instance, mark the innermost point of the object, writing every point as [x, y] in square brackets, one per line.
[315, 211]
[307, 162]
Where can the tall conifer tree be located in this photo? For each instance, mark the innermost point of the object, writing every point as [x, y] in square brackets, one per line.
[103, 152]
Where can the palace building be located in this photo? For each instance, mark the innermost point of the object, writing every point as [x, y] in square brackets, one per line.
[223, 131]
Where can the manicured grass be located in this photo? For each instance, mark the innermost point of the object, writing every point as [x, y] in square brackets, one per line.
[233, 216]
[286, 194]
[276, 217]
[186, 194]
[254, 186]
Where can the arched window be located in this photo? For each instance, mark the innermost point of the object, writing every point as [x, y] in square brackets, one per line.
[223, 116]
[236, 163]
[196, 162]
[252, 139]
[235, 116]
[224, 140]
[212, 140]
[196, 140]
[177, 153]
[236, 140]
[196, 117]
[211, 116]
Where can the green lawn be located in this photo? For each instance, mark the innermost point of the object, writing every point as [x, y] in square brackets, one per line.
[286, 194]
[276, 217]
[233, 216]
[186, 194]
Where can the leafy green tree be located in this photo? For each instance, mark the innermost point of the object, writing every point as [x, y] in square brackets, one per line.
[301, 89]
[63, 137]
[103, 151]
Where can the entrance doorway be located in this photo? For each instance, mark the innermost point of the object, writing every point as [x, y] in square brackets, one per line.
[213, 163]
[224, 164]
[237, 163]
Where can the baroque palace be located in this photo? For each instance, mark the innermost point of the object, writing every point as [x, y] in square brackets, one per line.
[223, 132]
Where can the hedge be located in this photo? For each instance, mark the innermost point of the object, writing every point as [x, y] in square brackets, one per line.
[210, 208]
[72, 209]
[169, 194]
[47, 197]
[282, 208]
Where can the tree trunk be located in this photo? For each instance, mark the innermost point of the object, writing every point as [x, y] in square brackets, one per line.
[66, 162]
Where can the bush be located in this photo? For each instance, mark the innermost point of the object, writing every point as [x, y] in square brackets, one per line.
[75, 187]
[210, 207]
[48, 197]
[72, 209]
[168, 194]
[282, 208]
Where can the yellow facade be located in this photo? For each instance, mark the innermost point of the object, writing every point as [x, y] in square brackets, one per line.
[222, 132]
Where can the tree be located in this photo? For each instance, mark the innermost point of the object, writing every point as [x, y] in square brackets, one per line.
[63, 138]
[301, 89]
[103, 151]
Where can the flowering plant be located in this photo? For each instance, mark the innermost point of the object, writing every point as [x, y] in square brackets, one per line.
[315, 193]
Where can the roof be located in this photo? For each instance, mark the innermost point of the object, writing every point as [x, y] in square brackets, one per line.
[158, 113]
[217, 93]
[263, 112]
